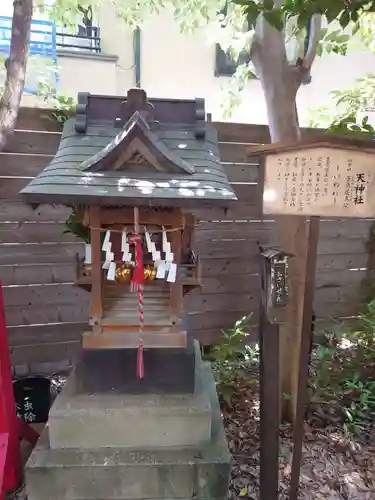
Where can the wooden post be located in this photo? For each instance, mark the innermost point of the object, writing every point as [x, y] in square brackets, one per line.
[97, 276]
[176, 297]
[292, 237]
[136, 220]
[303, 367]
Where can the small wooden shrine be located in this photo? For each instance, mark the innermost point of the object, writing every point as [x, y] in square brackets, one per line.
[134, 170]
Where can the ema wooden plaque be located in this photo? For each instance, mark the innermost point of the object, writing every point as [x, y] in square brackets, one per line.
[320, 181]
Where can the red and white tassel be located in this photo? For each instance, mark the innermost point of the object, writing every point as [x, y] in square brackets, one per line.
[137, 286]
[140, 362]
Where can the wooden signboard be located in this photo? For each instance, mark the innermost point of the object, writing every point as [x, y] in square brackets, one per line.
[320, 181]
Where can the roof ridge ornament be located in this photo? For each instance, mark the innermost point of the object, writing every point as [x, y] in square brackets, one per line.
[200, 117]
[81, 112]
[136, 101]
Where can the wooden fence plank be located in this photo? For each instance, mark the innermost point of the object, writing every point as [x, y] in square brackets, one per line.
[336, 310]
[18, 211]
[237, 172]
[250, 209]
[23, 165]
[37, 119]
[246, 133]
[229, 267]
[339, 279]
[219, 320]
[33, 274]
[10, 187]
[237, 231]
[39, 315]
[37, 354]
[245, 192]
[345, 227]
[343, 245]
[211, 303]
[45, 334]
[39, 253]
[228, 284]
[33, 142]
[236, 153]
[343, 294]
[39, 295]
[341, 262]
[224, 249]
[35, 232]
[242, 133]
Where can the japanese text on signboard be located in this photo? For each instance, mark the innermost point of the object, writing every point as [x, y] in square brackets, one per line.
[320, 181]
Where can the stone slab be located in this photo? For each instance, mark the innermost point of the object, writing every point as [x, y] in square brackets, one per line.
[90, 421]
[123, 474]
[167, 370]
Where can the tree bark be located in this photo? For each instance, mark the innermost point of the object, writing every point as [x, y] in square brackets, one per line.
[16, 68]
[280, 83]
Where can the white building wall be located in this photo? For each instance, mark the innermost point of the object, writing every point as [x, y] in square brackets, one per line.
[176, 65]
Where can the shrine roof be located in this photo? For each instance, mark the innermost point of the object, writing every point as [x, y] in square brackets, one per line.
[134, 152]
[318, 141]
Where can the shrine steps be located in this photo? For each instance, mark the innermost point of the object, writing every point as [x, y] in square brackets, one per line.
[121, 307]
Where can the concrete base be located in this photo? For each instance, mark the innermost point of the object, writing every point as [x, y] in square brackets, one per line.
[88, 421]
[145, 472]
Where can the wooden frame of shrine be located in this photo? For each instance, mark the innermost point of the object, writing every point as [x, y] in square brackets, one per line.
[135, 169]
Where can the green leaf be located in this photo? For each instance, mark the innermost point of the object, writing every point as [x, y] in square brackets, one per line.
[275, 18]
[287, 396]
[243, 491]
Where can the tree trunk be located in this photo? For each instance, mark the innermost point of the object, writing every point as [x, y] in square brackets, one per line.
[16, 68]
[280, 83]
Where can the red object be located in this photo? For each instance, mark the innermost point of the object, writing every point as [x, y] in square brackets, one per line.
[138, 274]
[11, 428]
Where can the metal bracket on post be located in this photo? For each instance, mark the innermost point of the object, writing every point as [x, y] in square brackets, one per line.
[274, 296]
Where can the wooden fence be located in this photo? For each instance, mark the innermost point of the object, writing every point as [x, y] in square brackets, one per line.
[46, 314]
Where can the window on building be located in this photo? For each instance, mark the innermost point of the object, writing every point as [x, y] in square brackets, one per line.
[225, 65]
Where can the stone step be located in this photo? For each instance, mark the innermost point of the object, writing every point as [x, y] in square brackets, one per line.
[123, 474]
[89, 421]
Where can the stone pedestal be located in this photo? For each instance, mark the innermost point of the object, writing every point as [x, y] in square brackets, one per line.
[122, 446]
